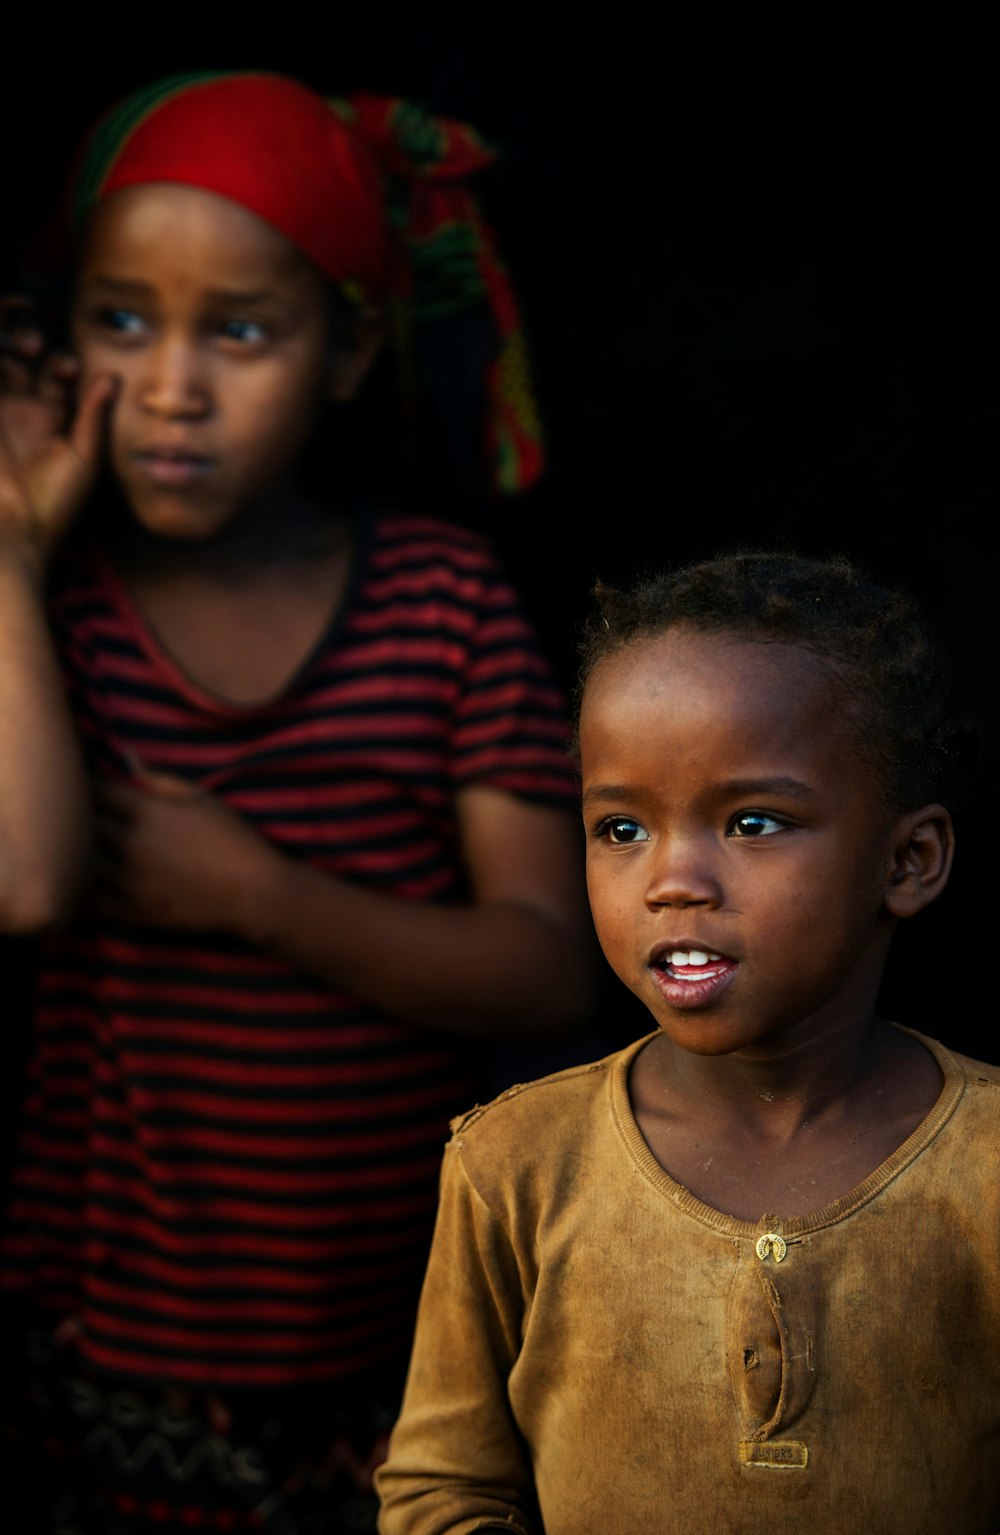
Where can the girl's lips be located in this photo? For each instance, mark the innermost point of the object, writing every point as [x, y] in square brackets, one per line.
[172, 468]
[687, 985]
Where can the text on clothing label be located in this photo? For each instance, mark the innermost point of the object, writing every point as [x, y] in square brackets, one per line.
[782, 1454]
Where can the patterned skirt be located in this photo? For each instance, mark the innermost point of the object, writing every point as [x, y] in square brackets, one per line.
[88, 1455]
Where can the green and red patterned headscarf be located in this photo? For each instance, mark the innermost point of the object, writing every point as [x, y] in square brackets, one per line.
[371, 189]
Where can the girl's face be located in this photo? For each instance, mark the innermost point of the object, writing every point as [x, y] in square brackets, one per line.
[217, 329]
[738, 849]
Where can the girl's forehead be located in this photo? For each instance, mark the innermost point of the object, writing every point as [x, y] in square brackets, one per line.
[158, 220]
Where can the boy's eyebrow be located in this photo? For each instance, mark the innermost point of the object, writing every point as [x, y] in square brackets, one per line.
[734, 788]
[779, 784]
[606, 791]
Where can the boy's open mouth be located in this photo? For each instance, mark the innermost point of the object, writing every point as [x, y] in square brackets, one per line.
[690, 964]
[691, 977]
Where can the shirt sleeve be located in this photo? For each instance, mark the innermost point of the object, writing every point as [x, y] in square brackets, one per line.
[457, 1462]
[509, 724]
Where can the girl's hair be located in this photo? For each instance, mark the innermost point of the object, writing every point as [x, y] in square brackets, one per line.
[891, 676]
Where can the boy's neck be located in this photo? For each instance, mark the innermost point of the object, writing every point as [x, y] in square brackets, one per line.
[789, 1131]
[791, 1074]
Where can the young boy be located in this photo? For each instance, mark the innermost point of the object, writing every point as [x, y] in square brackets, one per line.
[744, 1274]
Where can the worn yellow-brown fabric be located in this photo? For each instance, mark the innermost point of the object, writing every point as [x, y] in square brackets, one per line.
[599, 1352]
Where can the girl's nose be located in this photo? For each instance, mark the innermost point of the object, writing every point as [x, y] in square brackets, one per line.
[684, 874]
[176, 381]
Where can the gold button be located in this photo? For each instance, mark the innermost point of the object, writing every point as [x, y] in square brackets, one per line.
[770, 1245]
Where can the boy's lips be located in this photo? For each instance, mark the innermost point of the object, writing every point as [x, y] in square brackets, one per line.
[690, 974]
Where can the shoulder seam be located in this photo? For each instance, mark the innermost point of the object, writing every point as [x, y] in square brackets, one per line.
[462, 1122]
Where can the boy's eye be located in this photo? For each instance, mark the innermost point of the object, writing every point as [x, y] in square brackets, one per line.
[755, 823]
[622, 829]
[249, 332]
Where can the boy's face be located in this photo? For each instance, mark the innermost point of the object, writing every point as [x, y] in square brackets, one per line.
[738, 849]
[217, 330]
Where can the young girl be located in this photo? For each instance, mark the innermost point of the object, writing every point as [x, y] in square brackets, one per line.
[329, 830]
[744, 1275]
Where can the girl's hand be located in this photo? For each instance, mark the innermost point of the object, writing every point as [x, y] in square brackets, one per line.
[50, 445]
[171, 854]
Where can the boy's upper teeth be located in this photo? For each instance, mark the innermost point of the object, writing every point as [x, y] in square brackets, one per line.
[692, 957]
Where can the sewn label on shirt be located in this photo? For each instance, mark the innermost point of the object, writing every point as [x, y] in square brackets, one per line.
[779, 1454]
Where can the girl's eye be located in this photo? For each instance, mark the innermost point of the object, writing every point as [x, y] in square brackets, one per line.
[755, 823]
[249, 332]
[622, 829]
[123, 322]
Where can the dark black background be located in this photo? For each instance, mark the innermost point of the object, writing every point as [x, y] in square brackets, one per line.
[761, 299]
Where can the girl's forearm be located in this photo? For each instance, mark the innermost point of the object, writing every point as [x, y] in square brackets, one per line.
[45, 815]
[504, 970]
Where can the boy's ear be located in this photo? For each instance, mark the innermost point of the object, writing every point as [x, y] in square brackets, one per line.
[923, 846]
[352, 357]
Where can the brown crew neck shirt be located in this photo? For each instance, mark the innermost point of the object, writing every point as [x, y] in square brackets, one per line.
[599, 1352]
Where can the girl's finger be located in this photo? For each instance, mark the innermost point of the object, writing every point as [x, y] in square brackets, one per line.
[157, 781]
[18, 330]
[63, 365]
[166, 785]
[88, 427]
[56, 379]
[16, 377]
[27, 343]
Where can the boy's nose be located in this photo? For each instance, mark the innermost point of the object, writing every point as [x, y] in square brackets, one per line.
[684, 875]
[175, 382]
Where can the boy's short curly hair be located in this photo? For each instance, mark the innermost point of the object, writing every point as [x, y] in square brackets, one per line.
[892, 676]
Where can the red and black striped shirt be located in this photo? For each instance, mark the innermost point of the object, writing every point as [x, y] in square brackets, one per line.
[228, 1171]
